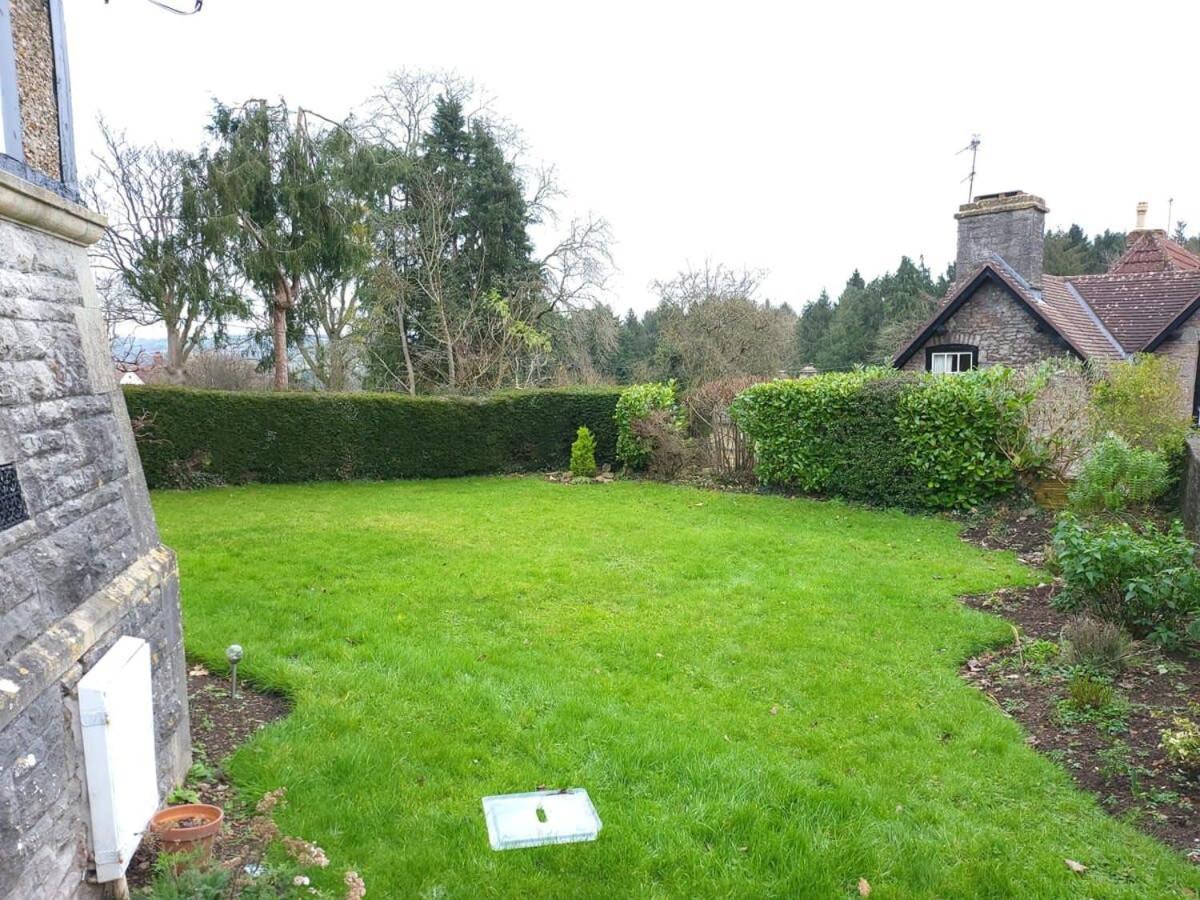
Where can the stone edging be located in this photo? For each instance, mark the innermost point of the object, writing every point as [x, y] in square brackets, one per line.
[28, 204]
[47, 659]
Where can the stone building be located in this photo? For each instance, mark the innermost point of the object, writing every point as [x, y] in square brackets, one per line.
[1004, 310]
[81, 563]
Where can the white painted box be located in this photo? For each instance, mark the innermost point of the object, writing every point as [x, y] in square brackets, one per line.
[116, 712]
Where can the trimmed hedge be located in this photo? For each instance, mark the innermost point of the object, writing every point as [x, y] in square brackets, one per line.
[879, 436]
[190, 437]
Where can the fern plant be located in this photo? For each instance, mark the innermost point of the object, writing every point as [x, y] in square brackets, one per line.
[1117, 476]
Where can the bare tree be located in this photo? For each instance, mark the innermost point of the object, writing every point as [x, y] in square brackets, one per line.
[159, 261]
[576, 270]
[399, 113]
[712, 325]
[455, 330]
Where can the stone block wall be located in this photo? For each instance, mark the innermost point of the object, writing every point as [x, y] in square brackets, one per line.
[1189, 499]
[86, 566]
[1183, 349]
[1004, 332]
[1010, 225]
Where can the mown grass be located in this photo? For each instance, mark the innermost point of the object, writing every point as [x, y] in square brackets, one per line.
[759, 694]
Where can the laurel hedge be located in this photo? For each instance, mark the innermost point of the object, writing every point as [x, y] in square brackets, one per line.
[189, 437]
[883, 437]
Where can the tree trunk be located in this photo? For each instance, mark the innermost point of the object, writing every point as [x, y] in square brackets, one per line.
[279, 311]
[408, 364]
[450, 371]
[174, 353]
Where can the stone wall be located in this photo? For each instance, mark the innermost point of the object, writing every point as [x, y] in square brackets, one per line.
[1189, 499]
[1011, 226]
[999, 326]
[1183, 348]
[86, 566]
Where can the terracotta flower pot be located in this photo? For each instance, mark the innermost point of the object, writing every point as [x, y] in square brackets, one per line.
[188, 829]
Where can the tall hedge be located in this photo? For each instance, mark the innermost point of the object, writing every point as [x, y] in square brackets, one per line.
[884, 437]
[188, 437]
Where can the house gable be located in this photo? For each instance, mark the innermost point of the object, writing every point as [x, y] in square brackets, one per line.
[992, 315]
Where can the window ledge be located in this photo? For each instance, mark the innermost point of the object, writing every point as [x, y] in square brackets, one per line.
[36, 207]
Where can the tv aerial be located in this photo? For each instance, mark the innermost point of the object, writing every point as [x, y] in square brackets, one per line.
[970, 179]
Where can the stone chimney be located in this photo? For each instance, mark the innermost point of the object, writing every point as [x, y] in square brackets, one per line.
[1141, 229]
[1011, 225]
[1142, 209]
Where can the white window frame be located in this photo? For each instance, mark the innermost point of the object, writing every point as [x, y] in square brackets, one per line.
[951, 362]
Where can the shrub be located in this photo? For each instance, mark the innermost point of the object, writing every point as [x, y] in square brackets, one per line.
[1117, 476]
[1147, 582]
[668, 450]
[1182, 743]
[1087, 693]
[637, 402]
[1142, 401]
[1095, 645]
[1055, 428]
[953, 430]
[789, 423]
[583, 454]
[885, 437]
[210, 436]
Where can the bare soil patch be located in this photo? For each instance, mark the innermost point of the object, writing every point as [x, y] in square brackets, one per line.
[1115, 755]
[220, 724]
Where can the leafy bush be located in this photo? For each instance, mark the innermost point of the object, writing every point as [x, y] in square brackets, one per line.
[668, 449]
[1182, 743]
[1095, 645]
[885, 437]
[1087, 693]
[635, 403]
[1056, 418]
[1147, 581]
[1142, 401]
[1117, 476]
[583, 454]
[190, 437]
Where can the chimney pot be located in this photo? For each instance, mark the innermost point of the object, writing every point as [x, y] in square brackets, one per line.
[1142, 209]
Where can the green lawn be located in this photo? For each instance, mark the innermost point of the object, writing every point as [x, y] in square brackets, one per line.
[759, 694]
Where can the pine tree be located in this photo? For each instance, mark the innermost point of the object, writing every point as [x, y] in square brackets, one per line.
[812, 329]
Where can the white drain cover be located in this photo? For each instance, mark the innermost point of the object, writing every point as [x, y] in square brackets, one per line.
[540, 817]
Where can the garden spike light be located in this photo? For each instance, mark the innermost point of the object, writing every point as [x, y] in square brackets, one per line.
[233, 653]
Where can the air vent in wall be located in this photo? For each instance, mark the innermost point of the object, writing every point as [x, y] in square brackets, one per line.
[12, 504]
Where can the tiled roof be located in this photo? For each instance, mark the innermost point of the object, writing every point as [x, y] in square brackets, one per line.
[996, 268]
[1106, 317]
[1137, 307]
[1075, 320]
[1153, 251]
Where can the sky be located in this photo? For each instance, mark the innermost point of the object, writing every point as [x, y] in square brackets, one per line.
[801, 142]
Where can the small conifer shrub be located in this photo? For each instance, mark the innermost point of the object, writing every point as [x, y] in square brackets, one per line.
[583, 454]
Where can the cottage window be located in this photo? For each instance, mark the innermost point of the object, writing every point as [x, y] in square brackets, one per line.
[950, 360]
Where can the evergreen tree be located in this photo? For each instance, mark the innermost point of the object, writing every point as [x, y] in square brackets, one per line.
[812, 330]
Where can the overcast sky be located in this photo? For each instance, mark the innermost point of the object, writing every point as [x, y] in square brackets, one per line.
[805, 142]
